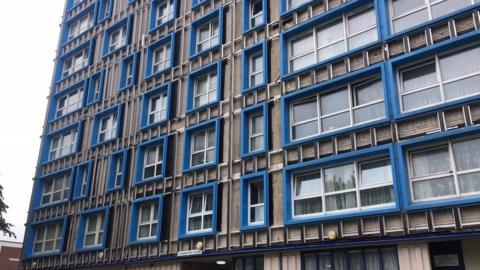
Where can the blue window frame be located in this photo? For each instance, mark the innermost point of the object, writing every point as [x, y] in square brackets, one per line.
[289, 6]
[254, 204]
[92, 229]
[160, 56]
[83, 179]
[163, 12]
[95, 88]
[405, 17]
[107, 125]
[453, 155]
[105, 10]
[449, 72]
[75, 61]
[71, 4]
[128, 72]
[118, 36]
[79, 24]
[254, 134]
[156, 106]
[204, 87]
[254, 14]
[146, 220]
[198, 211]
[353, 184]
[329, 37]
[207, 33]
[151, 159]
[68, 101]
[339, 105]
[131, 1]
[117, 170]
[198, 3]
[255, 67]
[202, 146]
[372, 257]
[45, 238]
[53, 189]
[62, 143]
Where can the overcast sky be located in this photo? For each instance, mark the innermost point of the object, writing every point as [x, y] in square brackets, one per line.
[28, 39]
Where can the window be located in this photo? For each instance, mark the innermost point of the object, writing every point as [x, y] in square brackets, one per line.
[117, 170]
[105, 9]
[81, 25]
[204, 87]
[201, 145]
[117, 36]
[206, 33]
[95, 88]
[254, 201]
[296, 3]
[443, 78]
[360, 184]
[256, 132]
[256, 13]
[248, 263]
[63, 144]
[255, 67]
[447, 170]
[165, 12]
[70, 102]
[83, 176]
[55, 189]
[348, 106]
[151, 160]
[371, 258]
[198, 210]
[118, 39]
[405, 14]
[92, 229]
[256, 76]
[160, 56]
[351, 31]
[48, 238]
[128, 72]
[146, 220]
[107, 125]
[76, 62]
[155, 106]
[254, 126]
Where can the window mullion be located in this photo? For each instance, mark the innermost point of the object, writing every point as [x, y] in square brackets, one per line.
[439, 77]
[357, 183]
[453, 167]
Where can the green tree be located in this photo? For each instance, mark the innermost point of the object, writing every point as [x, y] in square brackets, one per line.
[5, 227]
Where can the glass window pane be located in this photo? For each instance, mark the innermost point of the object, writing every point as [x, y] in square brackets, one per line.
[330, 51]
[256, 214]
[433, 188]
[448, 6]
[355, 260]
[196, 202]
[467, 154]
[372, 260]
[375, 172]
[334, 102]
[462, 88]
[362, 20]
[257, 124]
[341, 201]
[199, 141]
[402, 6]
[460, 63]
[410, 20]
[419, 77]
[305, 110]
[209, 201]
[369, 113]
[339, 178]
[308, 206]
[336, 121]
[302, 45]
[310, 261]
[368, 92]
[308, 184]
[362, 39]
[376, 196]
[421, 99]
[207, 222]
[256, 192]
[390, 259]
[305, 130]
[469, 182]
[195, 223]
[339, 261]
[430, 162]
[330, 33]
[301, 62]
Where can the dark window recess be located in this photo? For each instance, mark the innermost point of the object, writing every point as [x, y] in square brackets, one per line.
[446, 255]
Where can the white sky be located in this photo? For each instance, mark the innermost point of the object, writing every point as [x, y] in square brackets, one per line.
[29, 32]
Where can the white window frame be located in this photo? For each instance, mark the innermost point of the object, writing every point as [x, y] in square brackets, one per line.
[440, 83]
[83, 186]
[254, 206]
[158, 162]
[43, 239]
[168, 7]
[426, 5]
[203, 213]
[213, 28]
[67, 144]
[252, 74]
[129, 72]
[109, 132]
[118, 171]
[351, 109]
[343, 19]
[72, 102]
[211, 92]
[454, 172]
[206, 148]
[253, 16]
[75, 62]
[251, 135]
[98, 232]
[164, 58]
[64, 191]
[357, 189]
[79, 26]
[115, 44]
[148, 223]
[160, 109]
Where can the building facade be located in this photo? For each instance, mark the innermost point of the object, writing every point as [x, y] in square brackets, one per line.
[261, 134]
[10, 253]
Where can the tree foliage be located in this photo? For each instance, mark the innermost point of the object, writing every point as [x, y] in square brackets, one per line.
[5, 227]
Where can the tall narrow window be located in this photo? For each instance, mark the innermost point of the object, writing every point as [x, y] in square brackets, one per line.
[119, 172]
[207, 36]
[200, 212]
[94, 230]
[256, 203]
[157, 108]
[203, 147]
[69, 102]
[256, 13]
[307, 194]
[84, 183]
[63, 144]
[256, 131]
[205, 89]
[48, 238]
[107, 128]
[165, 10]
[55, 189]
[256, 69]
[147, 221]
[153, 160]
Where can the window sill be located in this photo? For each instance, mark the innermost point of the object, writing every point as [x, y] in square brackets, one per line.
[148, 126]
[206, 51]
[165, 70]
[253, 29]
[167, 23]
[196, 234]
[200, 167]
[149, 180]
[114, 51]
[255, 88]
[204, 106]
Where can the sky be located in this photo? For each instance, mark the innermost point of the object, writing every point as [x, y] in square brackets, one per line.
[29, 33]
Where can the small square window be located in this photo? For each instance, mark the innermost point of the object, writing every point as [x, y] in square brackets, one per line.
[151, 160]
[107, 125]
[204, 87]
[160, 56]
[156, 106]
[48, 237]
[92, 229]
[55, 188]
[146, 220]
[117, 36]
[201, 145]
[206, 33]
